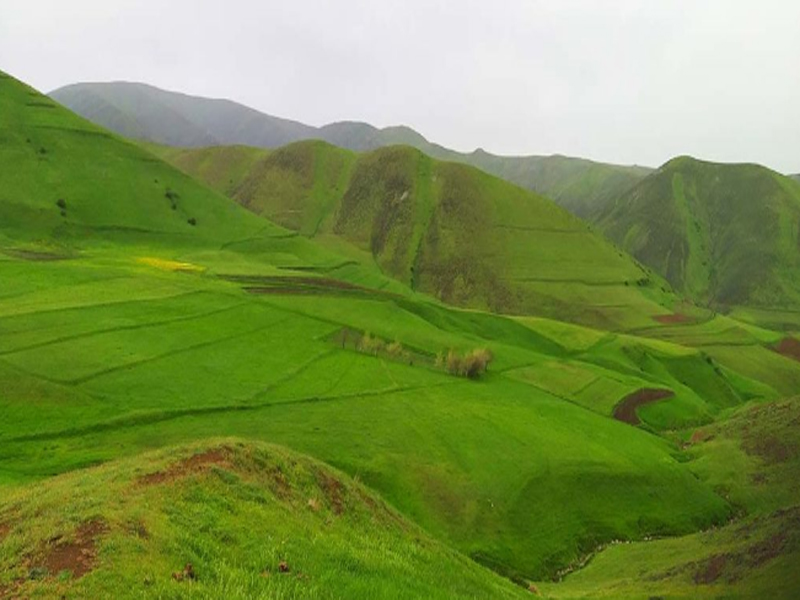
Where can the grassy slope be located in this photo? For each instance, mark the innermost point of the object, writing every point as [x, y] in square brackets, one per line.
[753, 459]
[446, 229]
[102, 360]
[146, 113]
[724, 234]
[234, 511]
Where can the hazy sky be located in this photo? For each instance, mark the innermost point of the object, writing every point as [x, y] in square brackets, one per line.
[615, 80]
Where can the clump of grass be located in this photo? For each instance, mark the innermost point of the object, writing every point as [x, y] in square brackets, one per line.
[472, 364]
[370, 345]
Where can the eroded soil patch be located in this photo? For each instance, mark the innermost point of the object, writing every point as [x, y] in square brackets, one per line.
[789, 347]
[36, 256]
[625, 411]
[333, 490]
[77, 556]
[193, 464]
[304, 286]
[673, 319]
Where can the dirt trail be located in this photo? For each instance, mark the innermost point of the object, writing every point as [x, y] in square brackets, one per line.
[625, 410]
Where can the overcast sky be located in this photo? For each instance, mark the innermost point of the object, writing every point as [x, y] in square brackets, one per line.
[615, 80]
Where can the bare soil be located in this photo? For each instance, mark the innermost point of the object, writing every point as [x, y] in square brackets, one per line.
[36, 256]
[672, 319]
[625, 410]
[193, 464]
[333, 489]
[789, 347]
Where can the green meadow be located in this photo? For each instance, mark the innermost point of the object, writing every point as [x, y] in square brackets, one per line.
[176, 385]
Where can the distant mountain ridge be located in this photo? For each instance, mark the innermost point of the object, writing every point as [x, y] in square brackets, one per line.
[144, 112]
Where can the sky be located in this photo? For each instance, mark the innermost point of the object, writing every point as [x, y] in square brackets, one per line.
[625, 81]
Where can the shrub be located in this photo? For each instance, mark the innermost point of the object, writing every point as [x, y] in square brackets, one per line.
[370, 345]
[192, 221]
[396, 350]
[62, 204]
[473, 364]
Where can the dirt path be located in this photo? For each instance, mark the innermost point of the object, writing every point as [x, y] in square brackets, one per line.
[625, 410]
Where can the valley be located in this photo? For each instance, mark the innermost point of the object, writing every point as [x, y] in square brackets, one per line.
[183, 416]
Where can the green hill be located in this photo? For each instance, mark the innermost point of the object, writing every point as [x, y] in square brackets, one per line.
[252, 520]
[723, 234]
[147, 113]
[442, 228]
[144, 112]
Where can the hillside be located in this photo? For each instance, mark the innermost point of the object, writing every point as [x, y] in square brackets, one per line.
[755, 457]
[251, 520]
[147, 113]
[446, 229]
[722, 234]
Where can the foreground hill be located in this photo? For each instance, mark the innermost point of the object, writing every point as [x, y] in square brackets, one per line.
[443, 228]
[147, 113]
[251, 520]
[722, 234]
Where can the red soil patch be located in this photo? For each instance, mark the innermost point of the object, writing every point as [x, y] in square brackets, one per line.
[770, 449]
[77, 556]
[672, 319]
[625, 411]
[789, 347]
[711, 569]
[333, 489]
[193, 464]
[5, 529]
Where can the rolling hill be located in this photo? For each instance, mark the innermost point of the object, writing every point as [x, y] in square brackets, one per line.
[131, 339]
[725, 235]
[443, 228]
[192, 521]
[147, 113]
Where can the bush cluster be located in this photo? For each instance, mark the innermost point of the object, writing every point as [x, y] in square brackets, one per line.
[472, 364]
[375, 345]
